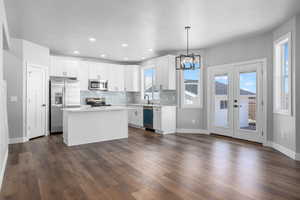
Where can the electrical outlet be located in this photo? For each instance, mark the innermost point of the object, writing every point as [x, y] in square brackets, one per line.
[13, 99]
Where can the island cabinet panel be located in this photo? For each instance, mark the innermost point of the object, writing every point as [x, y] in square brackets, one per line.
[82, 126]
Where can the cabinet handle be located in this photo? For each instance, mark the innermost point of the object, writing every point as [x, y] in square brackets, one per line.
[65, 73]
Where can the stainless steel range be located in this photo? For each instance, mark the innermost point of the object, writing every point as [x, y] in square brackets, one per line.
[96, 102]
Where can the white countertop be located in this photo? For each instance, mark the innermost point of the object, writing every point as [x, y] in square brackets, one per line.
[95, 109]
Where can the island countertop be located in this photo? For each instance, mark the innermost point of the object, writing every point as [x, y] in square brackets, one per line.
[95, 109]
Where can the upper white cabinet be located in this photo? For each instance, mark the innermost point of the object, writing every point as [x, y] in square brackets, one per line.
[166, 72]
[83, 75]
[119, 77]
[132, 78]
[98, 70]
[116, 77]
[64, 67]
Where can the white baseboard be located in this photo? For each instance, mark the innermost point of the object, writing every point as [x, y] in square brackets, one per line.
[17, 140]
[3, 168]
[194, 131]
[288, 152]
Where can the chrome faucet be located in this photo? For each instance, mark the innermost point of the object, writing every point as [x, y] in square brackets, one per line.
[148, 99]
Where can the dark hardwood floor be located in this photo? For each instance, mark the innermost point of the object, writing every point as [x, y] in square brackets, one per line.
[149, 167]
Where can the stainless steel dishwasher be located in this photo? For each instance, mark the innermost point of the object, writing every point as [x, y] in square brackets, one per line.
[148, 117]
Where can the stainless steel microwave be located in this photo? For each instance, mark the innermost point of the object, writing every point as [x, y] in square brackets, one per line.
[95, 84]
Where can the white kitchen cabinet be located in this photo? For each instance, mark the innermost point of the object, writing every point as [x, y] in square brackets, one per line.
[135, 116]
[132, 78]
[164, 119]
[116, 78]
[64, 67]
[83, 75]
[165, 72]
[98, 70]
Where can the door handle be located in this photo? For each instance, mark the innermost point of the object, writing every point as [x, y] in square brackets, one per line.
[43, 105]
[236, 106]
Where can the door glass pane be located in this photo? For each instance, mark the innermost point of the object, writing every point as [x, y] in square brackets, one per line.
[247, 109]
[221, 101]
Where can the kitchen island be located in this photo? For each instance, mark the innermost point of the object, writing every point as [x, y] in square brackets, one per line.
[88, 125]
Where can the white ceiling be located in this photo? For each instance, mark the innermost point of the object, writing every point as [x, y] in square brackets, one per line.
[66, 25]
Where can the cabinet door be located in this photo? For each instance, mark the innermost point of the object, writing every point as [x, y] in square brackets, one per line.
[116, 78]
[83, 75]
[57, 67]
[132, 77]
[172, 73]
[166, 73]
[97, 71]
[130, 115]
[162, 73]
[71, 67]
[157, 118]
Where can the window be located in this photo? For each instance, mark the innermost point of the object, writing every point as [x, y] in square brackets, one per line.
[282, 75]
[223, 104]
[191, 88]
[149, 76]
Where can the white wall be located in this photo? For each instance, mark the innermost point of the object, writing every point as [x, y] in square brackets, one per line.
[4, 41]
[297, 82]
[243, 49]
[16, 59]
[13, 75]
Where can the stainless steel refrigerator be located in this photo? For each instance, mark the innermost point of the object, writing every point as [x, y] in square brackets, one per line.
[64, 93]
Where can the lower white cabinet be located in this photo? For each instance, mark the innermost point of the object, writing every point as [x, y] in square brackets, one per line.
[135, 116]
[164, 119]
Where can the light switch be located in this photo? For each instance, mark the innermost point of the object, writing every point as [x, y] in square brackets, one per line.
[13, 99]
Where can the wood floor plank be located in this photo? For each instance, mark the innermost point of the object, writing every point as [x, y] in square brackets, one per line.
[147, 166]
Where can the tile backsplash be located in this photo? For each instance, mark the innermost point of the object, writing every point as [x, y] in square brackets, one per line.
[114, 98]
[167, 97]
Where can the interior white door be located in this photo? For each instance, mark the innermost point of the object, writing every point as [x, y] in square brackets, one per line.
[36, 101]
[235, 101]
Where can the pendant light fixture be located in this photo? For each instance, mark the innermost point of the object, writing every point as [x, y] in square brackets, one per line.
[188, 61]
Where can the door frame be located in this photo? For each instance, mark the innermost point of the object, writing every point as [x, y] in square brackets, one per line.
[25, 95]
[264, 97]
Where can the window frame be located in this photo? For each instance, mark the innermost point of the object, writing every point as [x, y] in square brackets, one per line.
[143, 81]
[278, 75]
[200, 91]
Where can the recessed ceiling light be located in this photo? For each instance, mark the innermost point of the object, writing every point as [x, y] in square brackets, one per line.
[142, 58]
[124, 45]
[150, 50]
[103, 55]
[76, 52]
[125, 58]
[92, 39]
